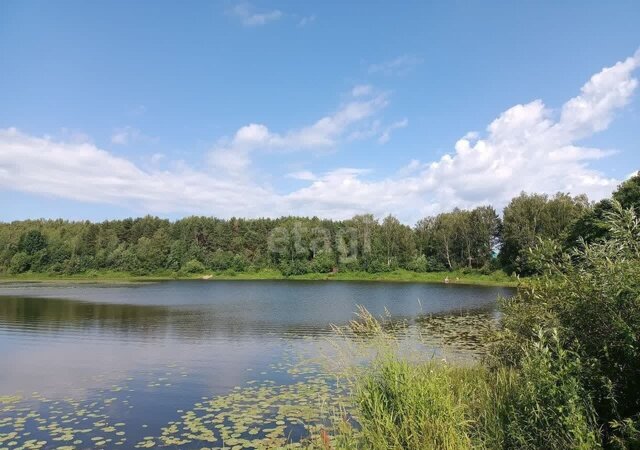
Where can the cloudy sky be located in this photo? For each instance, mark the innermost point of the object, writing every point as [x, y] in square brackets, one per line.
[117, 109]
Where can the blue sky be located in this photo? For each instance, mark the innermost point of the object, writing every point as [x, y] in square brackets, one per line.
[117, 109]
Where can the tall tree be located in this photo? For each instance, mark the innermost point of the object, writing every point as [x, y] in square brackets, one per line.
[531, 217]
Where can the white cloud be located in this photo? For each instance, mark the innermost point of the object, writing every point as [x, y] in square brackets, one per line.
[304, 175]
[250, 18]
[367, 130]
[386, 134]
[306, 20]
[397, 66]
[157, 158]
[75, 136]
[361, 90]
[232, 161]
[234, 154]
[129, 135]
[527, 147]
[84, 172]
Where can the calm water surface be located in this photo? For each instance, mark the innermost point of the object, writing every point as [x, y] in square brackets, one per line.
[105, 366]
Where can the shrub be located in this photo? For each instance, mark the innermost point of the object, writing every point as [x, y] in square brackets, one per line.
[40, 261]
[295, 267]
[77, 264]
[562, 373]
[593, 298]
[323, 262]
[221, 260]
[435, 265]
[377, 266]
[418, 264]
[193, 266]
[32, 242]
[239, 263]
[545, 405]
[20, 262]
[432, 405]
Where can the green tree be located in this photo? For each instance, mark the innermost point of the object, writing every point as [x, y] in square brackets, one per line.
[193, 266]
[628, 193]
[591, 295]
[591, 226]
[20, 262]
[486, 228]
[396, 242]
[446, 238]
[152, 251]
[530, 217]
[32, 242]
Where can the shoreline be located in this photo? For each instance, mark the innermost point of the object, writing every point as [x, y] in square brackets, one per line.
[397, 276]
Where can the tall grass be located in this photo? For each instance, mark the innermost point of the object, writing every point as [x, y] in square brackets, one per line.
[562, 373]
[401, 404]
[406, 406]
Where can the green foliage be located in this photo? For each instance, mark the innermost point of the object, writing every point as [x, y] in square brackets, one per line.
[193, 266]
[563, 372]
[419, 264]
[297, 245]
[239, 263]
[220, 260]
[456, 240]
[546, 406]
[323, 262]
[459, 238]
[415, 406]
[592, 296]
[39, 261]
[32, 242]
[20, 262]
[405, 406]
[628, 193]
[542, 258]
[295, 267]
[529, 218]
[592, 226]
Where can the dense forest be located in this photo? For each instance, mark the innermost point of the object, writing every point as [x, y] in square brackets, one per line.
[475, 240]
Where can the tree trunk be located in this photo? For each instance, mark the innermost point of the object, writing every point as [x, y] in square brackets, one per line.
[446, 251]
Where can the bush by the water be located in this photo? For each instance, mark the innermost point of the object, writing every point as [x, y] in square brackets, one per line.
[592, 297]
[562, 372]
[434, 405]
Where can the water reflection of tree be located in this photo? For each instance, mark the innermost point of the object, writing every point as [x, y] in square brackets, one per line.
[64, 315]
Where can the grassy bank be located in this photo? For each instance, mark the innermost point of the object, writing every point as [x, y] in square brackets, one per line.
[561, 371]
[498, 278]
[435, 405]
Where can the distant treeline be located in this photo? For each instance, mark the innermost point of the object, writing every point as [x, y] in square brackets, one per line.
[476, 239]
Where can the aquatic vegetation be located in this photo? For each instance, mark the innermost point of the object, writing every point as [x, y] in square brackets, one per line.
[466, 333]
[37, 422]
[260, 414]
[298, 400]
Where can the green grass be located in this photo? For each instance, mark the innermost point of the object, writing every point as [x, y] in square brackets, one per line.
[409, 406]
[402, 404]
[495, 279]
[434, 405]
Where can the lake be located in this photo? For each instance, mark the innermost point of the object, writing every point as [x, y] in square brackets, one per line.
[197, 364]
